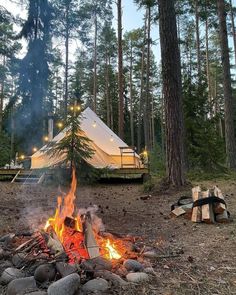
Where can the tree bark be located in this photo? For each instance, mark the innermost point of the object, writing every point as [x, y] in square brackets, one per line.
[95, 64]
[66, 61]
[171, 73]
[207, 62]
[120, 71]
[131, 95]
[107, 93]
[233, 29]
[147, 110]
[198, 39]
[141, 86]
[228, 98]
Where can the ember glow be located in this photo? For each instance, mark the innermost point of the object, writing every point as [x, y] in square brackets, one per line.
[69, 230]
[113, 254]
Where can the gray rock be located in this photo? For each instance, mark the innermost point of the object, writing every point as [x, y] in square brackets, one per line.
[65, 286]
[111, 277]
[4, 265]
[150, 254]
[149, 270]
[137, 277]
[65, 269]
[19, 260]
[133, 265]
[94, 285]
[98, 263]
[45, 273]
[10, 274]
[4, 254]
[20, 286]
[36, 293]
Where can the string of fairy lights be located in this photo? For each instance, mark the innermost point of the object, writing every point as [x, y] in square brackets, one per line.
[75, 109]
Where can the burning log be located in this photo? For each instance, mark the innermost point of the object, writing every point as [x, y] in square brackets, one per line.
[90, 241]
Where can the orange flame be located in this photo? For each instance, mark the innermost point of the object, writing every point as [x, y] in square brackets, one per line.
[113, 254]
[65, 208]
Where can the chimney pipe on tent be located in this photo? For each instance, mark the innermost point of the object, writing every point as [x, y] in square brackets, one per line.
[50, 128]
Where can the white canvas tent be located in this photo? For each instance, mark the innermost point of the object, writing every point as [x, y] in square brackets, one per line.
[105, 143]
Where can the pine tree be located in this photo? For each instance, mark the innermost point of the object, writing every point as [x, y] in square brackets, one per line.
[75, 144]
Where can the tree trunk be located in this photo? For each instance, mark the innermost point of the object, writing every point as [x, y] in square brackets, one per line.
[107, 93]
[120, 72]
[207, 62]
[171, 72]
[228, 98]
[233, 29]
[131, 95]
[147, 110]
[198, 40]
[141, 86]
[95, 64]
[66, 61]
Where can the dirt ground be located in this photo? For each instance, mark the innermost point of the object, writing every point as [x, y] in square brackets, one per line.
[204, 256]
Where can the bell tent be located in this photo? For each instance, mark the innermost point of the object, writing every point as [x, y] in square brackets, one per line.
[109, 150]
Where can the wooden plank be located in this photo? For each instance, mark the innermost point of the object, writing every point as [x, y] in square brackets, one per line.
[219, 208]
[13, 180]
[197, 212]
[207, 210]
[177, 212]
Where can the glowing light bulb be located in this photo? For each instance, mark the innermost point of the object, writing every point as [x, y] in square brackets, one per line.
[22, 157]
[71, 108]
[78, 108]
[94, 124]
[111, 139]
[59, 125]
[34, 149]
[46, 138]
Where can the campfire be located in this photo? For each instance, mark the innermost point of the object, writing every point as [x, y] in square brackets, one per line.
[79, 235]
[72, 251]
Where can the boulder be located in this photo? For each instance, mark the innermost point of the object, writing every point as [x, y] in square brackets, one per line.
[65, 269]
[110, 277]
[19, 260]
[65, 286]
[95, 285]
[98, 263]
[45, 273]
[23, 285]
[133, 265]
[137, 277]
[10, 274]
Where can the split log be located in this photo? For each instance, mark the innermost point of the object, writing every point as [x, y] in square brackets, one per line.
[197, 212]
[90, 241]
[207, 210]
[219, 208]
[177, 212]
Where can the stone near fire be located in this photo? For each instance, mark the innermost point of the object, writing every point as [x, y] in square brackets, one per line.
[4, 265]
[36, 293]
[10, 274]
[21, 286]
[98, 263]
[19, 260]
[65, 269]
[133, 265]
[95, 285]
[110, 277]
[150, 254]
[137, 277]
[45, 273]
[67, 285]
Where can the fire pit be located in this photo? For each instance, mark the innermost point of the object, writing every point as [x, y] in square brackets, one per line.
[71, 253]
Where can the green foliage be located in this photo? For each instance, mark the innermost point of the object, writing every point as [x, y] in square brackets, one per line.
[157, 161]
[75, 144]
[4, 149]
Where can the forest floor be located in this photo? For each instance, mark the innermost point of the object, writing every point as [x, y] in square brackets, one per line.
[206, 254]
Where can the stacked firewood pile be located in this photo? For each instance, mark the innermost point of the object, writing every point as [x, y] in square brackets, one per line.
[206, 206]
[36, 263]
